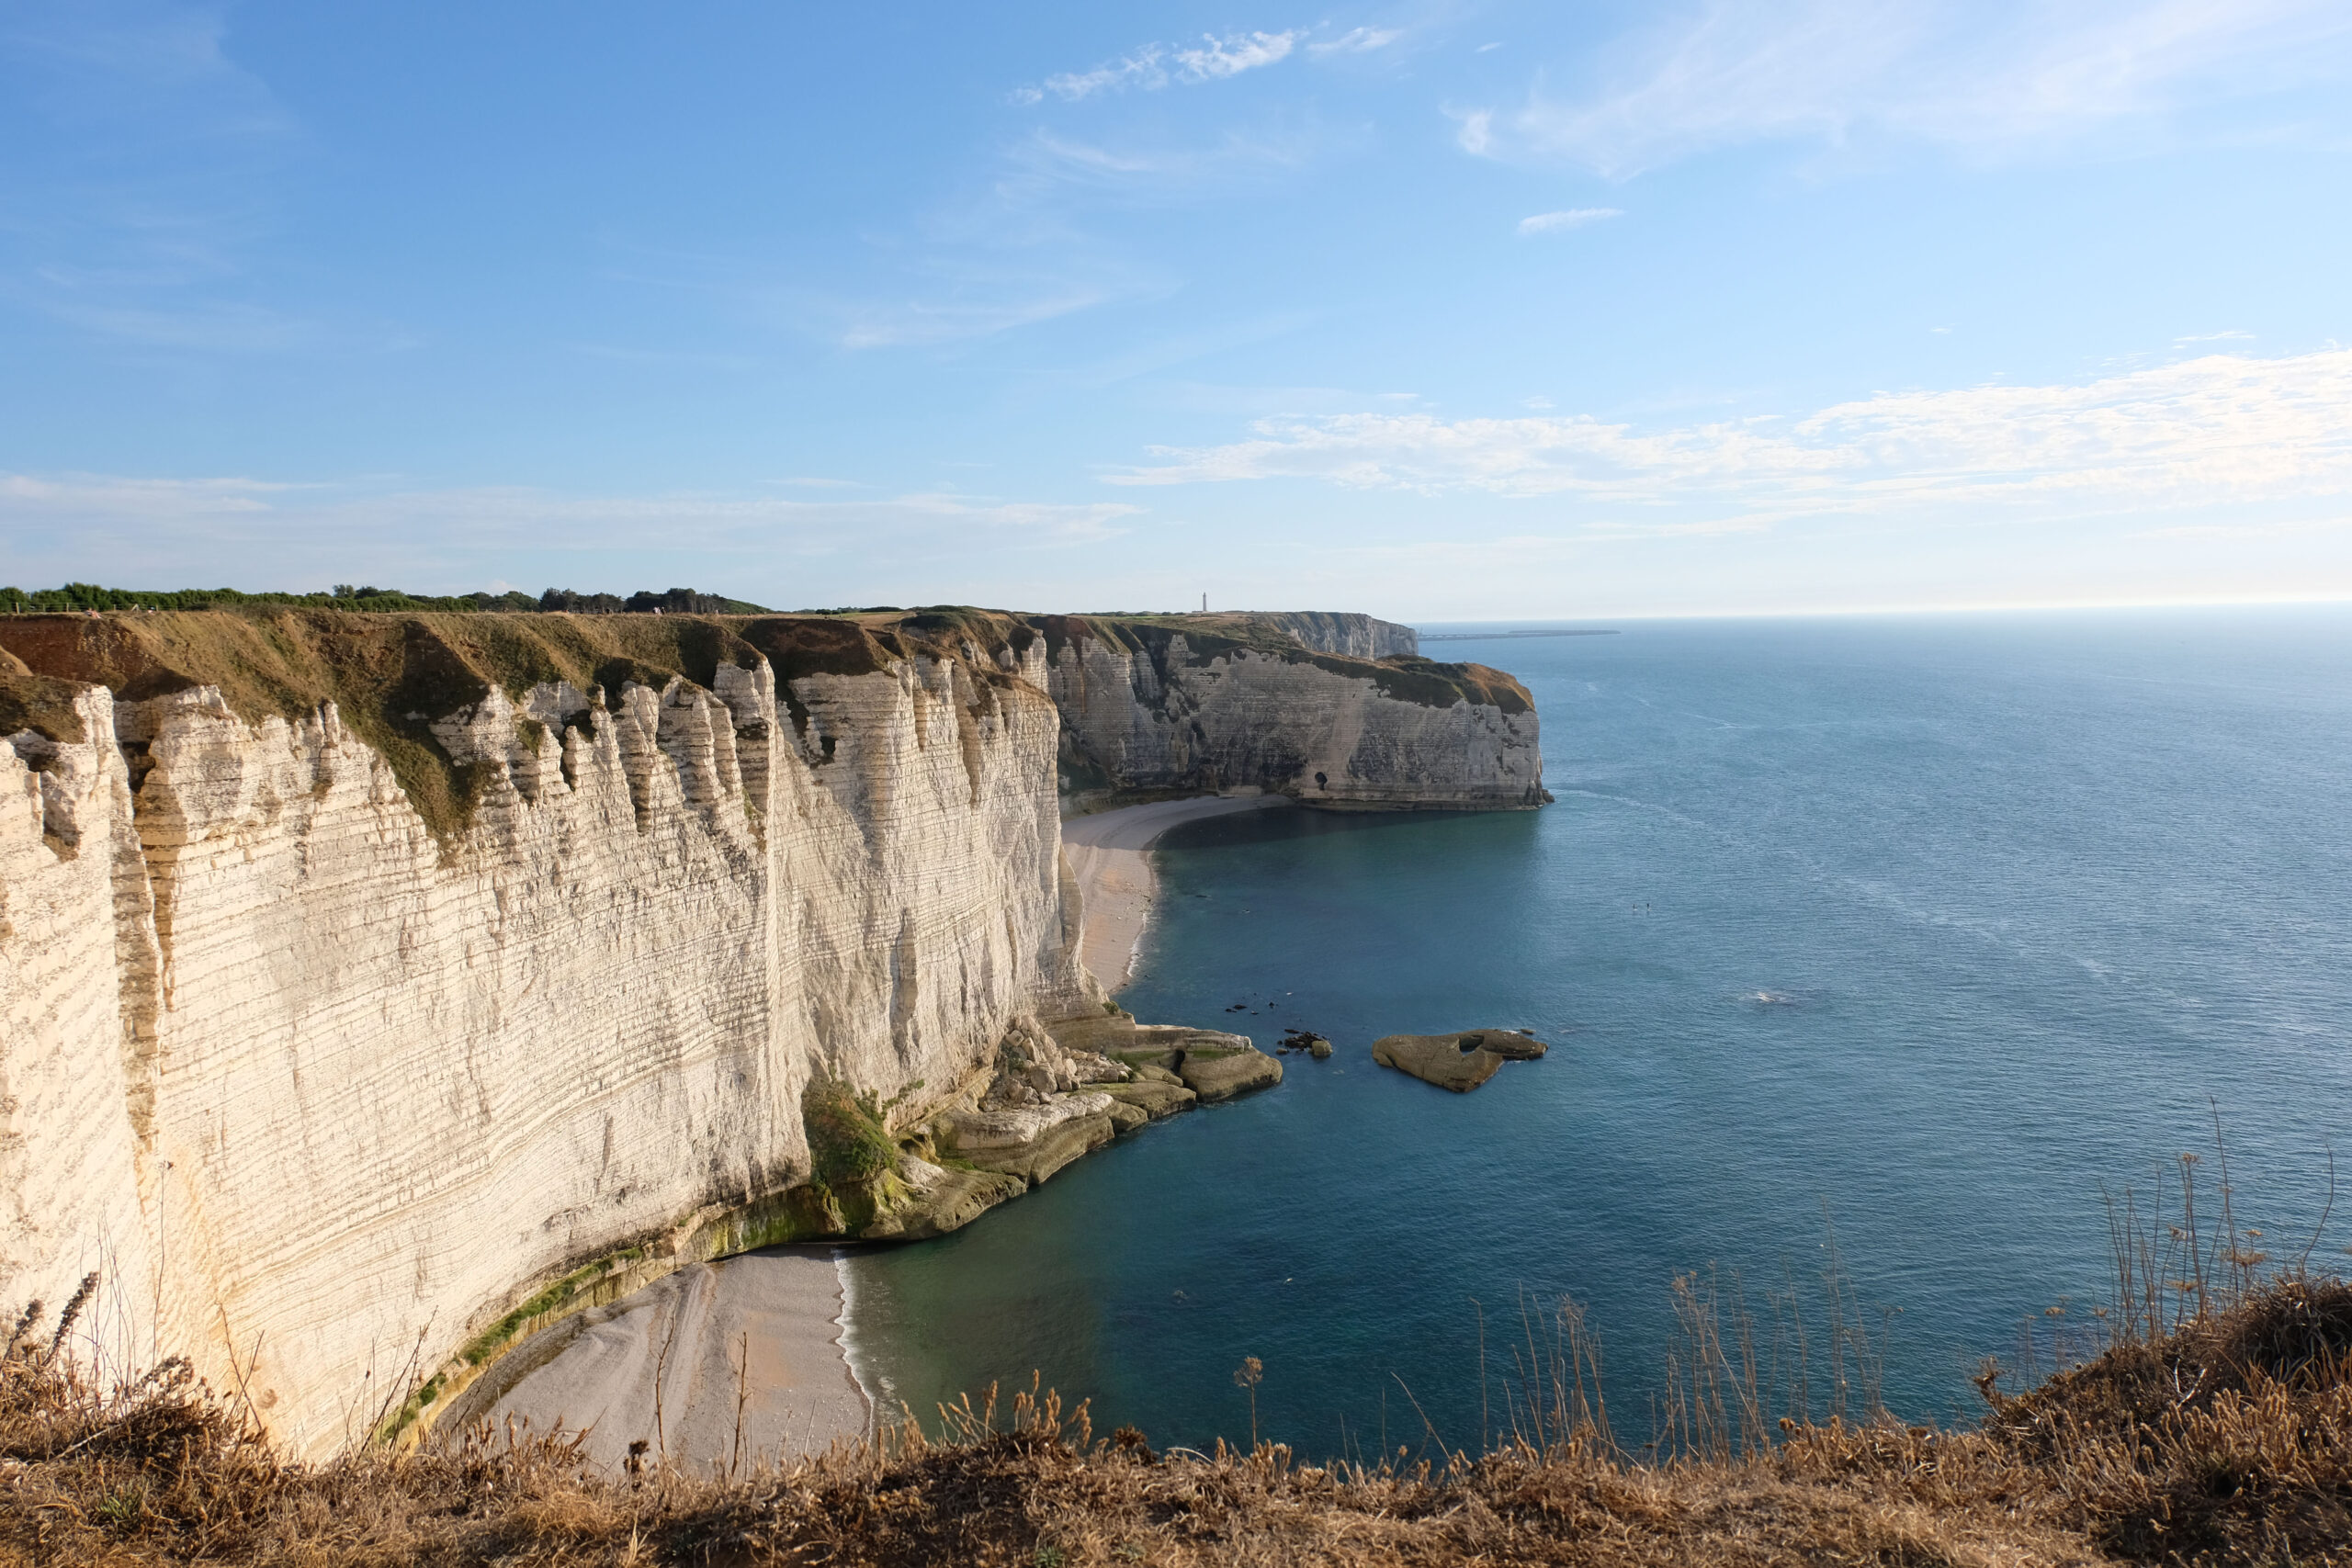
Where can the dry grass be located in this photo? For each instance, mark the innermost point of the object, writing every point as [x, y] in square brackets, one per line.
[2226, 1439]
[2213, 1425]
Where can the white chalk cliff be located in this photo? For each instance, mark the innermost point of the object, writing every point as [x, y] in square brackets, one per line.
[325, 1094]
[1156, 707]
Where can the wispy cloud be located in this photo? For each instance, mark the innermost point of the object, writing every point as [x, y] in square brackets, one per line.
[1996, 75]
[2224, 533]
[2219, 428]
[74, 497]
[1357, 40]
[1213, 166]
[201, 325]
[917, 323]
[1158, 65]
[1570, 218]
[1230, 56]
[173, 531]
[2216, 337]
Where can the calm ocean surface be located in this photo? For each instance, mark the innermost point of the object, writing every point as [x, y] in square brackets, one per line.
[1920, 929]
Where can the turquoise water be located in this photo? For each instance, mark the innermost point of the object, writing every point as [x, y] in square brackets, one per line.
[1919, 929]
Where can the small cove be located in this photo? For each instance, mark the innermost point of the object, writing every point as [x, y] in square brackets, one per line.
[1905, 932]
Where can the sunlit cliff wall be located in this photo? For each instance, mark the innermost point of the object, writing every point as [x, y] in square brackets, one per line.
[1170, 705]
[361, 974]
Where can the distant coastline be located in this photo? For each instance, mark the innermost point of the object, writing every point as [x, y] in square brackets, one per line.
[1492, 636]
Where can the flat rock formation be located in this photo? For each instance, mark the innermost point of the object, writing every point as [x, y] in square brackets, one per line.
[377, 990]
[1211, 1064]
[1457, 1062]
[1032, 1142]
[1162, 1094]
[1222, 1075]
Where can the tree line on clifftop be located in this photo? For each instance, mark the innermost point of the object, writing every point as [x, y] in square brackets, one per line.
[80, 596]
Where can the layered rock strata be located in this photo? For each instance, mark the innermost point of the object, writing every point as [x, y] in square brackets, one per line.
[376, 989]
[1354, 636]
[1163, 706]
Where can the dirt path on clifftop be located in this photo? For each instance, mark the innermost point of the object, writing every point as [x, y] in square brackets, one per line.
[1107, 857]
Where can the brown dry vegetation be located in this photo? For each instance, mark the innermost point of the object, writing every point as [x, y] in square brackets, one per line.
[2225, 1440]
[390, 675]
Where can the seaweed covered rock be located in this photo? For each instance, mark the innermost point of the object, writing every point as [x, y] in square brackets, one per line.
[941, 1199]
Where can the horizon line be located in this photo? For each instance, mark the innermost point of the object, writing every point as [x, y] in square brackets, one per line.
[2015, 607]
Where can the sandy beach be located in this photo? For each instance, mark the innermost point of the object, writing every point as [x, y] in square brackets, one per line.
[677, 1345]
[1107, 856]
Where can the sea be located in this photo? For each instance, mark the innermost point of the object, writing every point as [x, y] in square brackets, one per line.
[1880, 959]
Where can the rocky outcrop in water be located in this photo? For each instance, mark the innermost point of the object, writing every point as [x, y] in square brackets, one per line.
[1457, 1062]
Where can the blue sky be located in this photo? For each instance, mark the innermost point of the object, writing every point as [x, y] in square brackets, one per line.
[1439, 311]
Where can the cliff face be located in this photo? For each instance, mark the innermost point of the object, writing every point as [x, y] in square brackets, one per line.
[324, 1093]
[1164, 705]
[77, 1076]
[1324, 631]
[360, 978]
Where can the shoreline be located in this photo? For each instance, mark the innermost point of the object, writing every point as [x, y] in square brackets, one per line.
[790, 1314]
[1110, 860]
[854, 1361]
[667, 1363]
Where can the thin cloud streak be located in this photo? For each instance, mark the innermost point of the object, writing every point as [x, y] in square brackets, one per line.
[165, 516]
[1572, 218]
[1357, 40]
[2217, 429]
[1158, 65]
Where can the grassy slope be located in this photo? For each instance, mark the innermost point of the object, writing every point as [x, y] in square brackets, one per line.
[2228, 1441]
